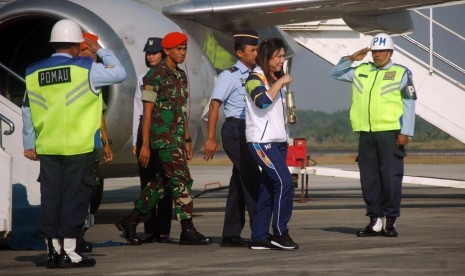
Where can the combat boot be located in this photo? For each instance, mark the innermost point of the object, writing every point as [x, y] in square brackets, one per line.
[390, 227]
[373, 229]
[190, 236]
[128, 226]
[53, 247]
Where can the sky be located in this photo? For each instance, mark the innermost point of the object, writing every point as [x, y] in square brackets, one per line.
[315, 90]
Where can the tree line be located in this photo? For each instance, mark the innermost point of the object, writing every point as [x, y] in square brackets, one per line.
[333, 132]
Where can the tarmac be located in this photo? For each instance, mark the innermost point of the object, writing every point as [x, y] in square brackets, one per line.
[431, 233]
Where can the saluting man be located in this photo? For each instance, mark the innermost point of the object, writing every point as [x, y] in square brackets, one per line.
[62, 114]
[383, 114]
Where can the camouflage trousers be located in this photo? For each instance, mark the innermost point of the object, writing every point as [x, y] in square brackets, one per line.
[173, 174]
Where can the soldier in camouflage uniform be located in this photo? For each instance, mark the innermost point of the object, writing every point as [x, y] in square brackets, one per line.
[164, 129]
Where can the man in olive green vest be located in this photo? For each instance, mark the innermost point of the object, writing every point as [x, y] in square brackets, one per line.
[383, 114]
[61, 126]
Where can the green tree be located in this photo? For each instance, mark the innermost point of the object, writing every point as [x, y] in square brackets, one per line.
[333, 132]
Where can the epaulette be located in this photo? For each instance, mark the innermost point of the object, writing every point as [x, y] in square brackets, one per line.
[400, 65]
[233, 69]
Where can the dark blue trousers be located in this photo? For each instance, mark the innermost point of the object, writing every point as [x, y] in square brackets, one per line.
[244, 183]
[381, 165]
[66, 185]
[275, 201]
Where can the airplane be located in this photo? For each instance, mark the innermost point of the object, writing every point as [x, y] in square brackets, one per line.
[124, 26]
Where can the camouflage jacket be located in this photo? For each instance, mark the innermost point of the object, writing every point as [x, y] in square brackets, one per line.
[168, 90]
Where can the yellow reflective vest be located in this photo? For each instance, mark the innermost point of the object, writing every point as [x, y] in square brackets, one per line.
[376, 98]
[66, 113]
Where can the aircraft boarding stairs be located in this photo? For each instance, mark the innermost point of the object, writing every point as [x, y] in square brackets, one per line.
[16, 171]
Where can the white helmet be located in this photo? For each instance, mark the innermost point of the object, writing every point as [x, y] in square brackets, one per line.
[382, 41]
[66, 31]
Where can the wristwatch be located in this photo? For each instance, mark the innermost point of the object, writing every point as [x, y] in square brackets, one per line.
[109, 142]
[188, 140]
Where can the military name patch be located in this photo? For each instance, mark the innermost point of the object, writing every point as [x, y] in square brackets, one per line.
[390, 75]
[55, 76]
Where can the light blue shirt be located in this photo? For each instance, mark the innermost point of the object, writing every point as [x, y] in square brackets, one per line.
[344, 72]
[138, 109]
[110, 71]
[230, 89]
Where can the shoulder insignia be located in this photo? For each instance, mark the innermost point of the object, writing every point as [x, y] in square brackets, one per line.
[233, 69]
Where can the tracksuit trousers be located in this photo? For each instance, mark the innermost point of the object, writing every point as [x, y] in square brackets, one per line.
[275, 200]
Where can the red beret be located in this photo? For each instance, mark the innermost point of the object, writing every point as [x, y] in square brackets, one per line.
[90, 37]
[173, 39]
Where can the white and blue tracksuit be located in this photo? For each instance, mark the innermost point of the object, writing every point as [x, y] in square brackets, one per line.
[267, 138]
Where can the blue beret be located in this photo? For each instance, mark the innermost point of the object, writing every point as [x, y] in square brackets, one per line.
[153, 45]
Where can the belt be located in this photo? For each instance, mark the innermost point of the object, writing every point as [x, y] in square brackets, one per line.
[235, 120]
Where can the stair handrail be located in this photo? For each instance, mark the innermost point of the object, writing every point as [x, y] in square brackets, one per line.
[3, 118]
[430, 49]
[424, 64]
[440, 57]
[13, 73]
[440, 25]
[6, 132]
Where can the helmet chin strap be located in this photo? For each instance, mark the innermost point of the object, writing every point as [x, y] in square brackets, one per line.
[385, 60]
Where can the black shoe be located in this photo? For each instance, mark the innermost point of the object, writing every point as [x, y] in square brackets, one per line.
[157, 238]
[369, 230]
[284, 242]
[149, 239]
[235, 241]
[369, 233]
[163, 239]
[391, 232]
[82, 246]
[262, 245]
[52, 254]
[65, 262]
[192, 237]
[390, 228]
[52, 259]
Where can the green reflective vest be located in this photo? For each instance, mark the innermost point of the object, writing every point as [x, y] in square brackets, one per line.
[376, 98]
[66, 113]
